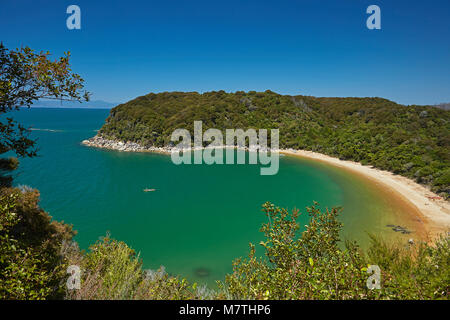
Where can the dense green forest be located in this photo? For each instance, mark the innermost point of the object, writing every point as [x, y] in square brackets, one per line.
[413, 141]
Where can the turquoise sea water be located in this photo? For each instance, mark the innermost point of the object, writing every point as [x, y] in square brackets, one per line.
[200, 218]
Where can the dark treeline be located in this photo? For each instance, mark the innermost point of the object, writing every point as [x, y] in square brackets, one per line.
[412, 141]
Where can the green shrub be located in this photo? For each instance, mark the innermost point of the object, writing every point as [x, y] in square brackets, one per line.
[112, 270]
[32, 264]
[315, 265]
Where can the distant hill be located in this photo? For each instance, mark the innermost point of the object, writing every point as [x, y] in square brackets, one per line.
[413, 141]
[96, 104]
[445, 106]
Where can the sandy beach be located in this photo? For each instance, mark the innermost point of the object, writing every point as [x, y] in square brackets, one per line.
[434, 215]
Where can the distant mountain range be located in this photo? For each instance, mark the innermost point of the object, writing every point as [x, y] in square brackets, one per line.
[96, 104]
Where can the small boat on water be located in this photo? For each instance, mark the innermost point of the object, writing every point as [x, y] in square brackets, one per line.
[149, 190]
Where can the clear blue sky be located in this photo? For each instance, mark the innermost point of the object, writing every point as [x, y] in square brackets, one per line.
[129, 48]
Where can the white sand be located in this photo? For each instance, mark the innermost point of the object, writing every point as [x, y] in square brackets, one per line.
[435, 213]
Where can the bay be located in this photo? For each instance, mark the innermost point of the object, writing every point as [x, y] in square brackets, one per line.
[200, 217]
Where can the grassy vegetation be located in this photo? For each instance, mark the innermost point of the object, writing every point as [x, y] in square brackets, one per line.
[412, 141]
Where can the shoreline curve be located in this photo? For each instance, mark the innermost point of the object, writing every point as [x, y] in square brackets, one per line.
[434, 214]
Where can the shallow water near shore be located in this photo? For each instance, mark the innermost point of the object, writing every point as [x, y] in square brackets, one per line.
[200, 217]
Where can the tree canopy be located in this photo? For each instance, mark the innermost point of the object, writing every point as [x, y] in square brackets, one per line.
[25, 77]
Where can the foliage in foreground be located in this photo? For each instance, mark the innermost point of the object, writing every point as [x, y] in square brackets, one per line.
[112, 270]
[31, 262]
[35, 253]
[312, 265]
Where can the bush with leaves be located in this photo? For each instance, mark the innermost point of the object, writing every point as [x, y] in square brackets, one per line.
[418, 271]
[112, 270]
[310, 266]
[26, 76]
[315, 265]
[31, 261]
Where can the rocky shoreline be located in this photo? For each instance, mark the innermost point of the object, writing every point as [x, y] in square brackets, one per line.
[100, 142]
